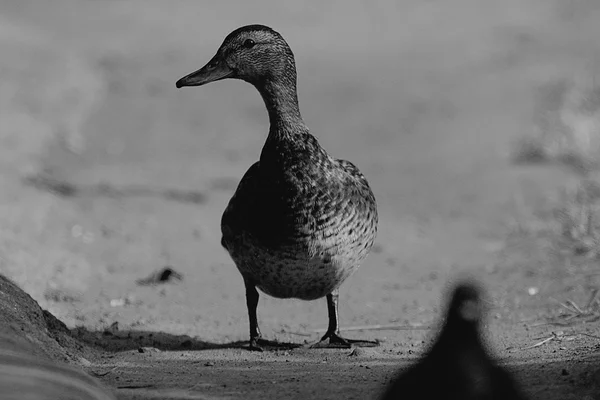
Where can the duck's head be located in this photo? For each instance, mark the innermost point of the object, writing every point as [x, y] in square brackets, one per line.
[466, 306]
[253, 53]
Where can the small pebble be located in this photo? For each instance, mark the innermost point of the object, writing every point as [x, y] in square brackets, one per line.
[533, 291]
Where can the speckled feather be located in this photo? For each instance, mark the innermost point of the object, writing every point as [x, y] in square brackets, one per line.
[300, 221]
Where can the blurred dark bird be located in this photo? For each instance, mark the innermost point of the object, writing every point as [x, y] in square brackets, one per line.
[458, 365]
[300, 222]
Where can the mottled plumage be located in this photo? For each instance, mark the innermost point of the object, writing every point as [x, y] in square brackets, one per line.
[458, 365]
[300, 221]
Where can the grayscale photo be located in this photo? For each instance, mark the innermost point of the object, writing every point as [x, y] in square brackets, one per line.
[393, 200]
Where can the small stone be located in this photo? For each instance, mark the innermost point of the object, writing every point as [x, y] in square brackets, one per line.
[163, 275]
[114, 327]
[532, 291]
[117, 302]
[148, 350]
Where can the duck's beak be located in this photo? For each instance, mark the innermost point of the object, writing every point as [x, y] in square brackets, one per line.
[215, 70]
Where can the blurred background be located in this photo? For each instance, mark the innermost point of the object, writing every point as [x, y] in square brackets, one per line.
[476, 123]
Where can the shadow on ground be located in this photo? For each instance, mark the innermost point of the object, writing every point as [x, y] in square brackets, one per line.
[66, 189]
[112, 340]
[146, 364]
[302, 373]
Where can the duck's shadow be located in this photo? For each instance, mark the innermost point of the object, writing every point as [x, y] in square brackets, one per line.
[142, 341]
[66, 189]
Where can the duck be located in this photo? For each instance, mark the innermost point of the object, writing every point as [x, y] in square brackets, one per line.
[458, 366]
[300, 221]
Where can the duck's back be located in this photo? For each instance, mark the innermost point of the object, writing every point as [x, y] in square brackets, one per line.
[299, 215]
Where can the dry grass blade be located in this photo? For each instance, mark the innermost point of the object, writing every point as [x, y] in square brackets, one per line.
[283, 331]
[101, 374]
[560, 335]
[380, 328]
[589, 313]
[540, 324]
[594, 318]
[575, 306]
[588, 335]
[566, 306]
[538, 344]
[592, 300]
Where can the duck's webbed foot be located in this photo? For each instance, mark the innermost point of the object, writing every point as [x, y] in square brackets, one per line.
[332, 338]
[254, 344]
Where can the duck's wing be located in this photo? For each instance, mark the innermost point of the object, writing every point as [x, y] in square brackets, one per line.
[235, 217]
[359, 191]
[300, 203]
[352, 170]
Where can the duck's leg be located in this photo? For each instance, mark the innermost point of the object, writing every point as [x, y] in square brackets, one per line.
[252, 304]
[333, 331]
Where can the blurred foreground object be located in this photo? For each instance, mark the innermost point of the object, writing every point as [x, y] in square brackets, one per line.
[458, 366]
[35, 348]
[23, 376]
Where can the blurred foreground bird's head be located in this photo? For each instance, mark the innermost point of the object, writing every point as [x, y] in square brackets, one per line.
[466, 305]
[458, 366]
[253, 53]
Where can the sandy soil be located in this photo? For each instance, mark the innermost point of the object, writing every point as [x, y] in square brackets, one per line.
[110, 173]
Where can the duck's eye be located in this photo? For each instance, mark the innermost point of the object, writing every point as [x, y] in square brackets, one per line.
[249, 43]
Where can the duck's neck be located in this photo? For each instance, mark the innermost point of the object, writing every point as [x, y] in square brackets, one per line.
[281, 100]
[468, 333]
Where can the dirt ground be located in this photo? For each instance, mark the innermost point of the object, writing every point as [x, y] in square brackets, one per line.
[110, 173]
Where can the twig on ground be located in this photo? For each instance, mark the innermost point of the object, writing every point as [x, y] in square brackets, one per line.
[565, 305]
[101, 374]
[283, 331]
[589, 313]
[588, 335]
[380, 328]
[575, 306]
[593, 298]
[538, 344]
[560, 336]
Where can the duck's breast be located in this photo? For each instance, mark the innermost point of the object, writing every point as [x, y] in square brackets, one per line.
[306, 219]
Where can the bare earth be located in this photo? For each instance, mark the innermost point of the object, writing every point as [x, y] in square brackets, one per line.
[110, 173]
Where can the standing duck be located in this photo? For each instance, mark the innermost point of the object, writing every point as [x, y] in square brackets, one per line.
[458, 365]
[300, 222]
